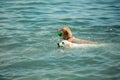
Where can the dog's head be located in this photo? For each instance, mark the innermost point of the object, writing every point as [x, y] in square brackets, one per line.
[66, 33]
[64, 43]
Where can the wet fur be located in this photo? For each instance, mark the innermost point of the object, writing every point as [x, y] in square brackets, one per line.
[68, 44]
[67, 35]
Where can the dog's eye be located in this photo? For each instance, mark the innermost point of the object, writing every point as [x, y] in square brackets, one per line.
[63, 43]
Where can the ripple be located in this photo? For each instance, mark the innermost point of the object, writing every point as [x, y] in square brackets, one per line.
[28, 49]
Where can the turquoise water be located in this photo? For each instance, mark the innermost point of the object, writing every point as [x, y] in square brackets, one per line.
[28, 40]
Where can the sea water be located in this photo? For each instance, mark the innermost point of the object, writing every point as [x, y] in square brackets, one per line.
[28, 39]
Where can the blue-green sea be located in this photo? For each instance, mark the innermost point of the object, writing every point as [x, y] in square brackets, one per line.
[28, 39]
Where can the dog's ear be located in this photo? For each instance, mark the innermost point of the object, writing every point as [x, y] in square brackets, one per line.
[68, 29]
[69, 45]
[65, 34]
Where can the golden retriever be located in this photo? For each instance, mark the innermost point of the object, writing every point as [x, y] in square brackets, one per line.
[66, 34]
[68, 44]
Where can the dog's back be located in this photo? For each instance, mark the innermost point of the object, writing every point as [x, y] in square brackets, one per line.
[84, 45]
[75, 45]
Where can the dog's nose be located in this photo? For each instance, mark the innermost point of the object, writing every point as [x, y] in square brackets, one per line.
[58, 44]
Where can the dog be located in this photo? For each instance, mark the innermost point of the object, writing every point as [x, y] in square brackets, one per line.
[66, 34]
[68, 44]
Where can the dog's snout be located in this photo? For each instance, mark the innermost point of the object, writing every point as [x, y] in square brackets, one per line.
[58, 44]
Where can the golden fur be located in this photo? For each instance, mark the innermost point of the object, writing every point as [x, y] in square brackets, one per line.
[67, 35]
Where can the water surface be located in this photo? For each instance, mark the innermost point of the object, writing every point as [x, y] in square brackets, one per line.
[28, 49]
